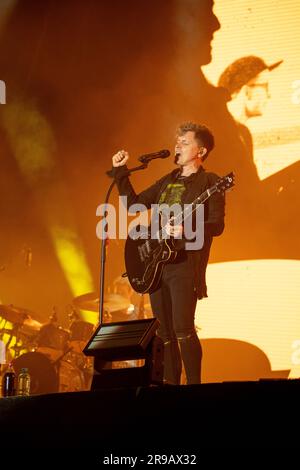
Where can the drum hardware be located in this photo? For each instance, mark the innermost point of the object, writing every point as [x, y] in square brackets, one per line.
[13, 333]
[72, 313]
[17, 348]
[4, 331]
[57, 361]
[73, 382]
[53, 318]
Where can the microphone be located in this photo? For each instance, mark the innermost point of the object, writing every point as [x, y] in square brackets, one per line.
[28, 257]
[27, 253]
[151, 156]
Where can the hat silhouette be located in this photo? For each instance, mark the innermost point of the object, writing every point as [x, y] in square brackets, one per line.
[242, 70]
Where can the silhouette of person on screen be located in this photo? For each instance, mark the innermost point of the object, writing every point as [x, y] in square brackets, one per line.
[247, 82]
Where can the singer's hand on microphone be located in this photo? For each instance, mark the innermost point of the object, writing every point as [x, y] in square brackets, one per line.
[120, 158]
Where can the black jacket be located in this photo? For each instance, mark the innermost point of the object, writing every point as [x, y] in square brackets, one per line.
[195, 184]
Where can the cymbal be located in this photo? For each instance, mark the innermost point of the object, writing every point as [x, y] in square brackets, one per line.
[14, 314]
[112, 302]
[88, 301]
[31, 325]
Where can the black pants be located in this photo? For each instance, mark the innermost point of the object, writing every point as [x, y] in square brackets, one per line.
[174, 304]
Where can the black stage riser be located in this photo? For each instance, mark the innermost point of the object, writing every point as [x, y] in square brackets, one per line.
[184, 418]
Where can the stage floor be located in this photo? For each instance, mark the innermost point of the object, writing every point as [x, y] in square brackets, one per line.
[148, 420]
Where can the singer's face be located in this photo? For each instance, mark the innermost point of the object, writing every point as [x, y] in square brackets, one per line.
[187, 149]
[257, 94]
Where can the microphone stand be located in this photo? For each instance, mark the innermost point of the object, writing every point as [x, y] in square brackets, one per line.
[104, 236]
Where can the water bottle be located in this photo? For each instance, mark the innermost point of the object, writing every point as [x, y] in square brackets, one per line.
[2, 362]
[8, 382]
[24, 382]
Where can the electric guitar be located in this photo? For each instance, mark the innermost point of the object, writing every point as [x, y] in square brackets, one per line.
[145, 258]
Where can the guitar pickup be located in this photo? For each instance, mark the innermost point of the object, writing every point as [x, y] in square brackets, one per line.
[144, 250]
[141, 253]
[136, 281]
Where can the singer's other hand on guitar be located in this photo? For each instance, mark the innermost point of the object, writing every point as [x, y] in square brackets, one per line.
[175, 231]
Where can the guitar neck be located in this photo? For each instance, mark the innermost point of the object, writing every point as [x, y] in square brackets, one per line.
[188, 211]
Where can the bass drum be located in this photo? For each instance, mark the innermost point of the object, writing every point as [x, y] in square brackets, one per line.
[43, 376]
[47, 378]
[71, 379]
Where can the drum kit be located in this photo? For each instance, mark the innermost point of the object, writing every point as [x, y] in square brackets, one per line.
[54, 354]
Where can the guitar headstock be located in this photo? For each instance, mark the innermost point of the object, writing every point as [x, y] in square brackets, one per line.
[225, 183]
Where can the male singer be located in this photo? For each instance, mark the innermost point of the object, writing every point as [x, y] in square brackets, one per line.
[183, 280]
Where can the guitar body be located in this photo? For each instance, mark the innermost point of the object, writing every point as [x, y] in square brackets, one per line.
[145, 257]
[144, 261]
